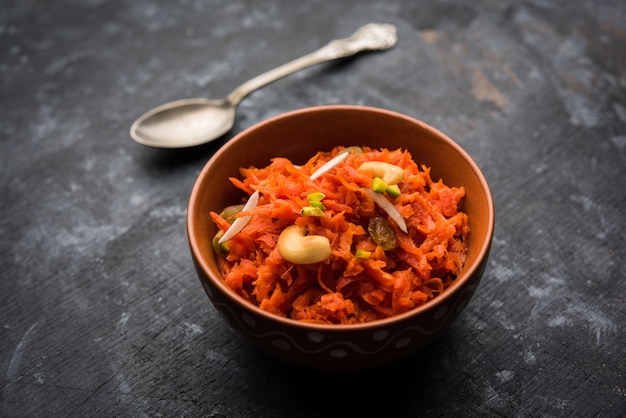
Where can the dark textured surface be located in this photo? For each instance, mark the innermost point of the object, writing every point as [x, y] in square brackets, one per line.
[101, 312]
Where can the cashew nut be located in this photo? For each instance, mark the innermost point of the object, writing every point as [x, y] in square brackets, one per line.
[392, 174]
[298, 248]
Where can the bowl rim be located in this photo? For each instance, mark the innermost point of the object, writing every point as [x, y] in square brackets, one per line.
[466, 274]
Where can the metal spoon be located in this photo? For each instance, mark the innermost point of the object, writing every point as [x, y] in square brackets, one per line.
[190, 122]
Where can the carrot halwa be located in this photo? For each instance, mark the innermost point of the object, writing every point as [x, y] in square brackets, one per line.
[383, 257]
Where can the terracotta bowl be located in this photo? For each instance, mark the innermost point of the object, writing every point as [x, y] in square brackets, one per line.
[298, 135]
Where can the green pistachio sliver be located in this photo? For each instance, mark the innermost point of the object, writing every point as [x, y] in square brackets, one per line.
[315, 197]
[362, 254]
[393, 191]
[311, 211]
[219, 248]
[315, 200]
[379, 185]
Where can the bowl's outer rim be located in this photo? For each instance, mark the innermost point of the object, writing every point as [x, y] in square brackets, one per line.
[314, 327]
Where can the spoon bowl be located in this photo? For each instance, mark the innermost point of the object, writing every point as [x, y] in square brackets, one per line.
[184, 123]
[191, 122]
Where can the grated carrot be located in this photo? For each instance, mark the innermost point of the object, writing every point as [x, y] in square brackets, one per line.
[345, 289]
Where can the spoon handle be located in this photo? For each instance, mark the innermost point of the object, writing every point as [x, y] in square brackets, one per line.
[370, 37]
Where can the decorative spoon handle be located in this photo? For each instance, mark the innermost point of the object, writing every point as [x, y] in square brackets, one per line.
[370, 37]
